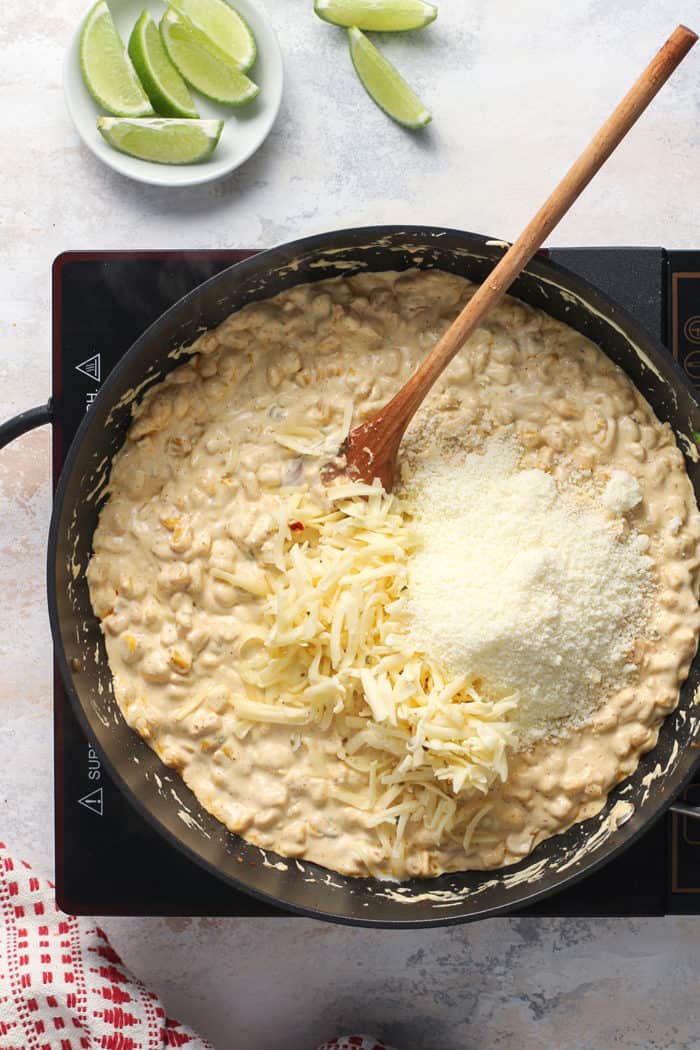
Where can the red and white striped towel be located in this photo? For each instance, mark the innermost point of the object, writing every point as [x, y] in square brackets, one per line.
[63, 987]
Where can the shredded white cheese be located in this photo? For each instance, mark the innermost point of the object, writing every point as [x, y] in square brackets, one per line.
[522, 585]
[335, 649]
[295, 434]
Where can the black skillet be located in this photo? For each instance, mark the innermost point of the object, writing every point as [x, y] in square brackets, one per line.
[158, 793]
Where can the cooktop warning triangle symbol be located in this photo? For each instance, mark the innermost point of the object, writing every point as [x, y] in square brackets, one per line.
[93, 801]
[91, 367]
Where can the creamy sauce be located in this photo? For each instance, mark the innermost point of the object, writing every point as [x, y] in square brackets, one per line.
[195, 489]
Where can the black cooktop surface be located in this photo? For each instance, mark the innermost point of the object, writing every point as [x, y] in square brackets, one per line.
[108, 859]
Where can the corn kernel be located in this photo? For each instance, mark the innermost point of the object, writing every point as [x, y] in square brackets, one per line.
[180, 662]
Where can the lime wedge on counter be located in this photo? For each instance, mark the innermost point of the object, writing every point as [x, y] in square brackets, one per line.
[384, 83]
[107, 71]
[202, 63]
[164, 85]
[222, 24]
[160, 140]
[383, 16]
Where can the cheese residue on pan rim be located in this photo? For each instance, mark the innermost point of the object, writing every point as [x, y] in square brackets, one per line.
[333, 648]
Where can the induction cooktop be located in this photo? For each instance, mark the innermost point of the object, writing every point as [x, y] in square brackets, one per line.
[109, 860]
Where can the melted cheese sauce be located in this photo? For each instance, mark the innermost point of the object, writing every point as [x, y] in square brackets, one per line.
[175, 574]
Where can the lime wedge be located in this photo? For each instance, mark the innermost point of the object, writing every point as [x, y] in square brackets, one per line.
[202, 63]
[384, 84]
[161, 140]
[107, 71]
[383, 16]
[164, 85]
[224, 26]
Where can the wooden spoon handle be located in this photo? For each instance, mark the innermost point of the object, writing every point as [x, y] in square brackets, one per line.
[552, 211]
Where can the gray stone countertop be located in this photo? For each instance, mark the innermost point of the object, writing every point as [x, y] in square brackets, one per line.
[516, 88]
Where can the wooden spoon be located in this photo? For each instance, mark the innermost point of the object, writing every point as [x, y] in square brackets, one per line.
[370, 449]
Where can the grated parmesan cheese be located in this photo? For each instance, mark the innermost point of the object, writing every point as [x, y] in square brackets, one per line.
[622, 492]
[523, 586]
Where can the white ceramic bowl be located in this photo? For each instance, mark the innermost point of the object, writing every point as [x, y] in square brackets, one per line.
[246, 126]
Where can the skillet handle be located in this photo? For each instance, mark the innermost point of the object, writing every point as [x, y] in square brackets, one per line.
[685, 809]
[20, 424]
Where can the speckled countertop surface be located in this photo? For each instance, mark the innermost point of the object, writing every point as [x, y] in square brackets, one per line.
[516, 88]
